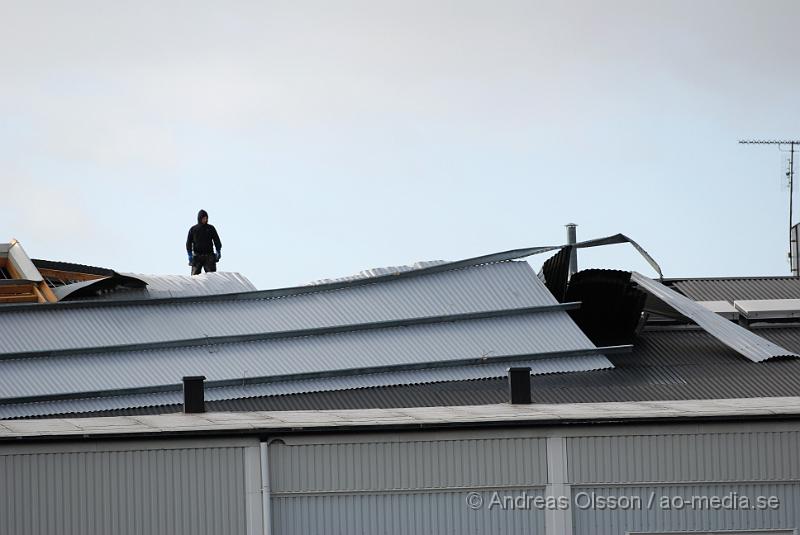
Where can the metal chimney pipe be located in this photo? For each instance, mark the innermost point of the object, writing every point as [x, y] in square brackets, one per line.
[519, 385]
[572, 239]
[193, 394]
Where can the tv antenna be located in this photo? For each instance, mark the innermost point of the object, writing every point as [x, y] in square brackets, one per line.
[792, 146]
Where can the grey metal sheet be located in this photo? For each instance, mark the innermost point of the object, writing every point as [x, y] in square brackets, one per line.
[513, 335]
[738, 338]
[23, 264]
[473, 289]
[332, 384]
[723, 308]
[220, 282]
[677, 363]
[160, 286]
[736, 288]
[641, 519]
[768, 308]
[153, 490]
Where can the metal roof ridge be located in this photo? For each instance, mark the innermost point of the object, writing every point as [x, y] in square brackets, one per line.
[296, 333]
[492, 258]
[451, 363]
[276, 293]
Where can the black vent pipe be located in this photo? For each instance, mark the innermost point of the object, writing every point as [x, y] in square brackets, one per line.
[193, 394]
[519, 385]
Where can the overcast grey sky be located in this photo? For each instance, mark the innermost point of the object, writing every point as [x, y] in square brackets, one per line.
[329, 137]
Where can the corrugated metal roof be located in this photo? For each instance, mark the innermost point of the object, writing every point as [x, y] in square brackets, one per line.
[381, 271]
[439, 318]
[494, 337]
[677, 363]
[735, 336]
[734, 288]
[154, 400]
[220, 282]
[476, 289]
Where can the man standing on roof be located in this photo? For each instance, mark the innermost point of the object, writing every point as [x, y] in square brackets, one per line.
[200, 245]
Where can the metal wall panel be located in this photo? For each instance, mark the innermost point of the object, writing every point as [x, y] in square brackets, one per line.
[717, 457]
[407, 465]
[653, 518]
[405, 487]
[428, 513]
[153, 491]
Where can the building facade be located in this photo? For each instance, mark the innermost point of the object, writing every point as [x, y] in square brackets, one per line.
[629, 468]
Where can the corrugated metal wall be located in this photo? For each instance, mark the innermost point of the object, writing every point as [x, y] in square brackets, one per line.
[695, 467]
[422, 482]
[411, 484]
[406, 486]
[191, 490]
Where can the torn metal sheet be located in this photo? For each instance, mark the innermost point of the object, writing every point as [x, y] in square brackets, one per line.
[732, 335]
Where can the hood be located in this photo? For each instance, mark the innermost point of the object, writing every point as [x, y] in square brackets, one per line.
[201, 214]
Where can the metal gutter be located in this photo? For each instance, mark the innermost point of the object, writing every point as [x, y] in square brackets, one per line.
[268, 424]
[316, 331]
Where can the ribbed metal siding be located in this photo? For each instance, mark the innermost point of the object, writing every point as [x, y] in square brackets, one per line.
[437, 513]
[191, 491]
[405, 487]
[475, 289]
[654, 519]
[512, 335]
[407, 465]
[715, 457]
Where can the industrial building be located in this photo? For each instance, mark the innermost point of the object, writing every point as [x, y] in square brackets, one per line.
[382, 403]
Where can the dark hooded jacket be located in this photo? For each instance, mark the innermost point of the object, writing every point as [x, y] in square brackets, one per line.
[202, 237]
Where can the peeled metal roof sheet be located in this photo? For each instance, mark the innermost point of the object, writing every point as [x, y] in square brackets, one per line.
[493, 337]
[474, 289]
[220, 282]
[734, 336]
[367, 381]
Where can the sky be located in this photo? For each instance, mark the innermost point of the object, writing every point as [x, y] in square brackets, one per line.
[325, 138]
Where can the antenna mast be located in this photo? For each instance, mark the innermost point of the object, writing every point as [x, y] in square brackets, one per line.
[790, 176]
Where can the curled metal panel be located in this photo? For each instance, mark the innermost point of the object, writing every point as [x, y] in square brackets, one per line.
[736, 337]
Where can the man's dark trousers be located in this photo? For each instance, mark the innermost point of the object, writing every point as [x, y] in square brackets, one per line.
[207, 262]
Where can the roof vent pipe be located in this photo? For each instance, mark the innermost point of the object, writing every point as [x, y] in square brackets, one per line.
[572, 239]
[193, 394]
[519, 385]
